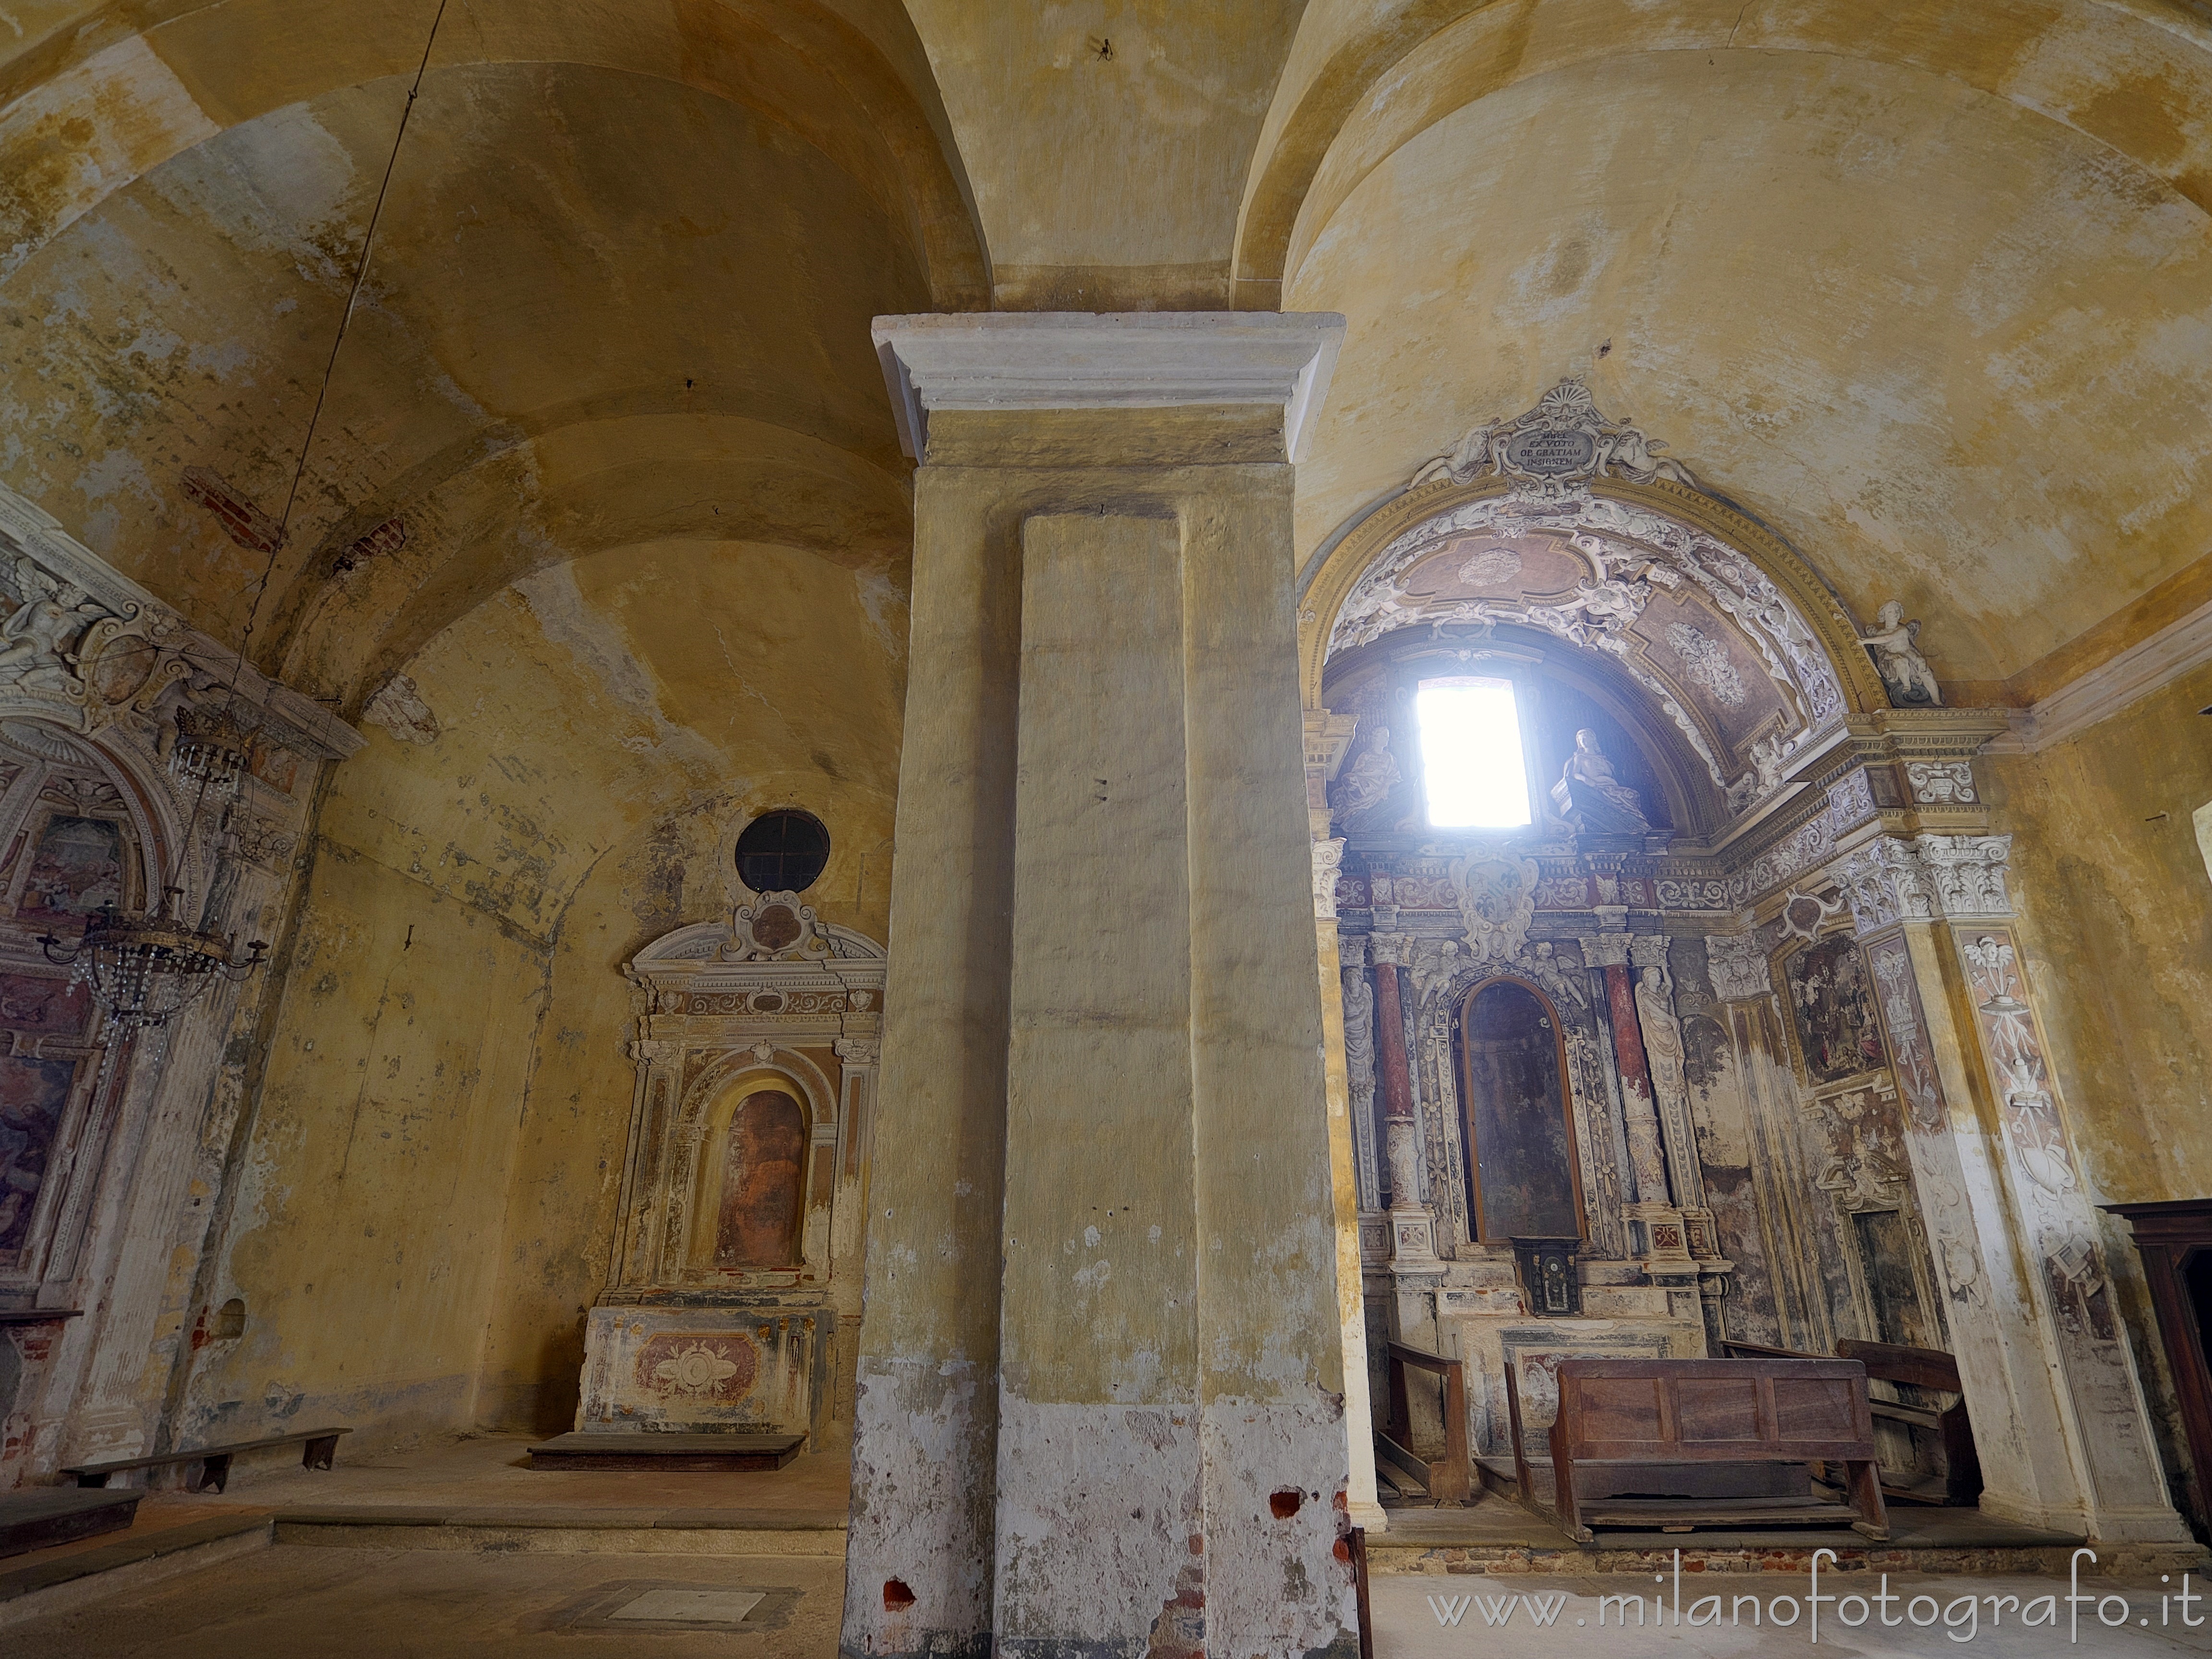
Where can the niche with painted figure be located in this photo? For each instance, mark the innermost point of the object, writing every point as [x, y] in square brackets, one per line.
[758, 1179]
[1518, 1134]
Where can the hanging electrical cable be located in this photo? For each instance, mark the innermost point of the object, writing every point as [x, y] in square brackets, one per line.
[146, 967]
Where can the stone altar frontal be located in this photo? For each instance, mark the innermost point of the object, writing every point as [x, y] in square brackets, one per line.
[689, 1368]
[734, 1267]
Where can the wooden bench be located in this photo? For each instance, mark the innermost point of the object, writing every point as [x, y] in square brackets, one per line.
[209, 1467]
[1449, 1480]
[1920, 1368]
[1934, 1370]
[1650, 1442]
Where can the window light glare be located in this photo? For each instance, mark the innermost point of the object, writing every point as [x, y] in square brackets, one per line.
[1471, 756]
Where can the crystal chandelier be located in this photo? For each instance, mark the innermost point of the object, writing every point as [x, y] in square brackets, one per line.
[146, 969]
[211, 750]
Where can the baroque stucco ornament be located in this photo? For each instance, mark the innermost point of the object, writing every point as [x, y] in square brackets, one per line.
[1555, 448]
[1496, 902]
[1633, 554]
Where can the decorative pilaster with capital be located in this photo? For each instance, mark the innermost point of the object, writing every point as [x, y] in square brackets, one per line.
[2031, 1309]
[1413, 1224]
[1328, 859]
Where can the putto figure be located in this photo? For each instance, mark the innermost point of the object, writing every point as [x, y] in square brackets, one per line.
[1591, 799]
[1894, 645]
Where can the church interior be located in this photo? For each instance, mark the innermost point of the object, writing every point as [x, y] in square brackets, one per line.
[941, 827]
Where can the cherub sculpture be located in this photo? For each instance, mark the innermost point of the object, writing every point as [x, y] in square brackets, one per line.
[38, 638]
[1894, 645]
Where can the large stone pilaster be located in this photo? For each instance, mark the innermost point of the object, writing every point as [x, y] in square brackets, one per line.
[2060, 1423]
[1364, 1502]
[1101, 1383]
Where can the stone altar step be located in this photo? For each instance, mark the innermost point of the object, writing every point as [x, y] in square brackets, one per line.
[35, 1517]
[610, 1449]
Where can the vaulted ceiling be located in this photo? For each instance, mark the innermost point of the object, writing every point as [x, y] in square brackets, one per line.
[1928, 291]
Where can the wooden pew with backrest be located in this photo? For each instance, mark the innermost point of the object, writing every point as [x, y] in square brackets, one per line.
[1448, 1482]
[1681, 1443]
[1918, 1368]
[1933, 1370]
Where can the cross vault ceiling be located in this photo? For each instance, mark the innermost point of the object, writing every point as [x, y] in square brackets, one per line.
[1927, 289]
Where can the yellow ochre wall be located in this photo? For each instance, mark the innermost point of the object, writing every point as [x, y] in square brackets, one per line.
[433, 1174]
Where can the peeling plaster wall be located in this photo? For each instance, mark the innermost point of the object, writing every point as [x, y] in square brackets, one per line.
[431, 1180]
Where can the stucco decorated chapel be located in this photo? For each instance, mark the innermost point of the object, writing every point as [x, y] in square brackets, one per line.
[1116, 829]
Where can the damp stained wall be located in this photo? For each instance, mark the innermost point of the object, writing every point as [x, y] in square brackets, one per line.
[428, 1195]
[2116, 922]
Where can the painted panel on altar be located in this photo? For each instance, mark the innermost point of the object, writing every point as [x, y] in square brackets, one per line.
[1832, 1000]
[1521, 1164]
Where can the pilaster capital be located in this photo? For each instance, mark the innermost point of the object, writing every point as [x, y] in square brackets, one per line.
[1352, 951]
[1648, 949]
[1327, 855]
[857, 1053]
[1606, 949]
[1737, 967]
[1927, 879]
[1390, 949]
[1041, 359]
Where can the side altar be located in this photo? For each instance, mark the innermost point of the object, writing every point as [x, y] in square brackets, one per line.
[733, 1286]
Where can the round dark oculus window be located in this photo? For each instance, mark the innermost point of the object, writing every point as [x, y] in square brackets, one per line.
[782, 852]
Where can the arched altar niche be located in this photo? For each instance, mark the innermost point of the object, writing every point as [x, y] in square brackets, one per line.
[734, 1265]
[753, 1182]
[1517, 1131]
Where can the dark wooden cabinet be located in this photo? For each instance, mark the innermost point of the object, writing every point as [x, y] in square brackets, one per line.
[2174, 1239]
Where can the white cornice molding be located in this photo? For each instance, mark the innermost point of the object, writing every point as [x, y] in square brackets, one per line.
[2105, 691]
[28, 531]
[1124, 360]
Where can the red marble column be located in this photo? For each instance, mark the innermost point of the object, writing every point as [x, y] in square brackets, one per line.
[1413, 1224]
[1647, 1152]
[1397, 1079]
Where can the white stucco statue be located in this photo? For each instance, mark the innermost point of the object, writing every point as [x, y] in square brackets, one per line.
[1370, 777]
[1893, 645]
[1590, 798]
